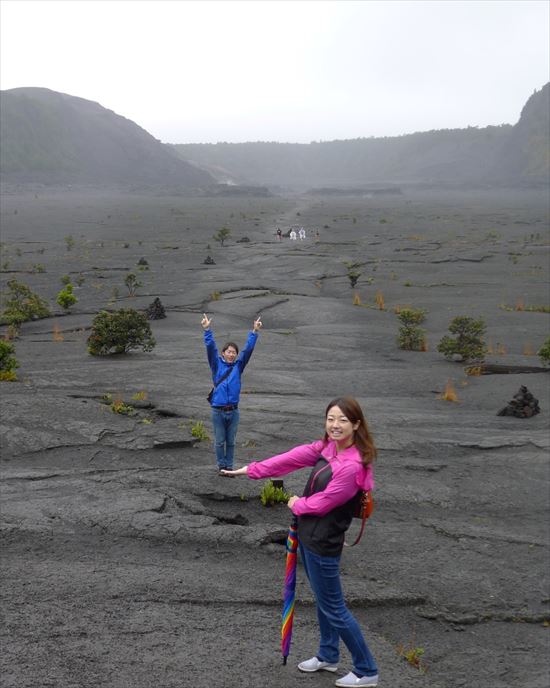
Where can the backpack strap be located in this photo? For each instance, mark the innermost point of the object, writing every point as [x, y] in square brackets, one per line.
[222, 378]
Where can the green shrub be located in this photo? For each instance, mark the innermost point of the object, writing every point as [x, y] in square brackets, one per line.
[120, 332]
[69, 242]
[544, 352]
[468, 342]
[118, 406]
[65, 279]
[222, 234]
[198, 431]
[8, 362]
[66, 298]
[21, 304]
[273, 495]
[411, 337]
[132, 283]
[352, 273]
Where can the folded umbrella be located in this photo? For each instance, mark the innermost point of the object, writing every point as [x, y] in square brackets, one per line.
[289, 592]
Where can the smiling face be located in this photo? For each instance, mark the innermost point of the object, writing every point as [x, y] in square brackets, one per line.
[339, 428]
[230, 354]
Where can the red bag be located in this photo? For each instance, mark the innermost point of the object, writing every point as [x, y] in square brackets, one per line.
[363, 509]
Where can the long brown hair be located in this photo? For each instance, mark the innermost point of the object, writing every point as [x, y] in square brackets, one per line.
[362, 438]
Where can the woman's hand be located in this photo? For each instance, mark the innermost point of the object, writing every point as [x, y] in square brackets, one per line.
[234, 472]
[257, 324]
[291, 501]
[205, 322]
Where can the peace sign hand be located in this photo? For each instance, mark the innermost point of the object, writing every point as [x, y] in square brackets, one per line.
[205, 322]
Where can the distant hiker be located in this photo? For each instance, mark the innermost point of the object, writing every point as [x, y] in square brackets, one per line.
[224, 397]
[292, 234]
[317, 236]
[279, 234]
[302, 233]
[341, 466]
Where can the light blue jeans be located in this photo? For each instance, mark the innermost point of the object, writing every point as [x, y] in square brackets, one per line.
[335, 619]
[225, 430]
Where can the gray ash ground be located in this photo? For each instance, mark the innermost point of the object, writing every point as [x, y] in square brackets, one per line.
[126, 560]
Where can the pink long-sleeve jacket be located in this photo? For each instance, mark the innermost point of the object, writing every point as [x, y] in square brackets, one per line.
[348, 475]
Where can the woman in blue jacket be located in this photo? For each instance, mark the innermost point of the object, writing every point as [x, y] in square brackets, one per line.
[224, 400]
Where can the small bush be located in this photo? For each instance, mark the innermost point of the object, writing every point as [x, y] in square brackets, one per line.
[544, 352]
[7, 376]
[132, 283]
[118, 406]
[66, 298]
[22, 304]
[222, 234]
[65, 279]
[413, 655]
[69, 242]
[119, 333]
[352, 273]
[468, 342]
[198, 430]
[411, 337]
[8, 362]
[271, 495]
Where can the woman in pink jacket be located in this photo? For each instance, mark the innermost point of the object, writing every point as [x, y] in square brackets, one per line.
[342, 466]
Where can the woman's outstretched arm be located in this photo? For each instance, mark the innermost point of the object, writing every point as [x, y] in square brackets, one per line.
[235, 471]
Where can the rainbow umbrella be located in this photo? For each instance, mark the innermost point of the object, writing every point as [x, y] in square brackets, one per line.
[289, 591]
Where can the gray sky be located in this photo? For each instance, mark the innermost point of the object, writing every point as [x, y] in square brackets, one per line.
[281, 70]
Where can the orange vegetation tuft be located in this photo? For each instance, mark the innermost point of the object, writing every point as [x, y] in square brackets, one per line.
[57, 334]
[449, 394]
[528, 349]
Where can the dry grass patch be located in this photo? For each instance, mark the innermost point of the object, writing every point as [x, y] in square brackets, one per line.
[449, 393]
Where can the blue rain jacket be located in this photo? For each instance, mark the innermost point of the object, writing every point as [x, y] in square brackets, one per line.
[229, 390]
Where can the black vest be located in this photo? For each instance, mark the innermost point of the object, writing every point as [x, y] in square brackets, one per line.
[324, 535]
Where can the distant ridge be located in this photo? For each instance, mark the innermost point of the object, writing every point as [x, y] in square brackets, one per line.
[497, 155]
[51, 138]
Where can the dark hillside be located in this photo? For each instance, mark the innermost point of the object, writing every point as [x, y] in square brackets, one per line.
[491, 155]
[456, 155]
[52, 137]
[527, 155]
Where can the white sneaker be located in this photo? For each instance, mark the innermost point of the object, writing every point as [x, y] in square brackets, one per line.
[350, 680]
[315, 664]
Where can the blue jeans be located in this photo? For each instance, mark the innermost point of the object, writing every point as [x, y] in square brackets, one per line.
[225, 430]
[335, 620]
